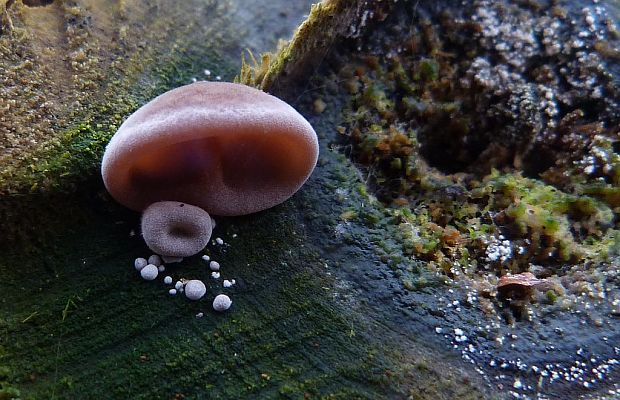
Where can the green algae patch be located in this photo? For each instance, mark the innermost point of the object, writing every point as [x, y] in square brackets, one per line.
[457, 179]
[571, 227]
[83, 324]
[103, 59]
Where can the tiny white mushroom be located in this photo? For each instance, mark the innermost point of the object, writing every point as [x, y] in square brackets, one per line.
[227, 283]
[214, 265]
[199, 315]
[172, 292]
[168, 280]
[140, 263]
[206, 257]
[219, 241]
[149, 272]
[221, 302]
[155, 260]
[178, 285]
[161, 268]
[195, 289]
[215, 275]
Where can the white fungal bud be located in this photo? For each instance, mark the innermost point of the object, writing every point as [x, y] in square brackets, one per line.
[168, 280]
[149, 272]
[214, 265]
[195, 289]
[140, 263]
[206, 257]
[161, 268]
[155, 260]
[178, 285]
[221, 302]
[215, 275]
[172, 292]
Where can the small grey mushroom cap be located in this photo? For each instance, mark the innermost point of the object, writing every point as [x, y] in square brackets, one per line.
[155, 260]
[195, 289]
[149, 272]
[221, 302]
[176, 229]
[140, 263]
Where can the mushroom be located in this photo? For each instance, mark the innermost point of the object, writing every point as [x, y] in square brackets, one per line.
[520, 286]
[221, 303]
[175, 229]
[195, 289]
[226, 148]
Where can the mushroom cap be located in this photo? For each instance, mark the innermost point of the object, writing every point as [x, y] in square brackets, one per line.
[227, 148]
[524, 279]
[195, 289]
[175, 229]
[221, 302]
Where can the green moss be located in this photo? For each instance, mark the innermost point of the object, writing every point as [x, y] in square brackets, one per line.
[327, 21]
[547, 216]
[402, 110]
[9, 393]
[71, 151]
[552, 297]
[607, 193]
[94, 314]
[428, 70]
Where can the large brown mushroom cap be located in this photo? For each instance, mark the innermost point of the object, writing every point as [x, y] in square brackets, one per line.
[227, 148]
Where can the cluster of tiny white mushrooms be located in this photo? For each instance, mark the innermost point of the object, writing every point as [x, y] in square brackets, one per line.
[215, 148]
[194, 289]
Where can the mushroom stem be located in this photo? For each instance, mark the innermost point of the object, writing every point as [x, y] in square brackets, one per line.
[176, 229]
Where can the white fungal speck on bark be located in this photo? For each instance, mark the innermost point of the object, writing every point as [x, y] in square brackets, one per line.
[140, 263]
[221, 302]
[149, 272]
[155, 260]
[195, 289]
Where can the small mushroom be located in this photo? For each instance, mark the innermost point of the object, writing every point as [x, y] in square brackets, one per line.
[226, 148]
[221, 303]
[195, 289]
[175, 229]
[520, 286]
[149, 272]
